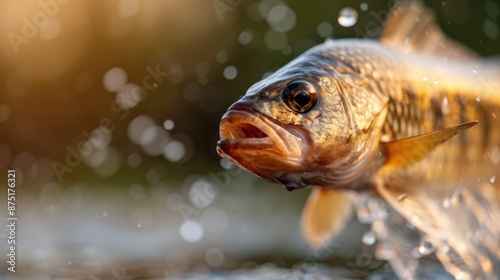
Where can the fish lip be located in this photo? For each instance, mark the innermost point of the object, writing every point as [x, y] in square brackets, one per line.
[275, 138]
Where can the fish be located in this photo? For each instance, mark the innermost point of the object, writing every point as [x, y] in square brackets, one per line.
[408, 117]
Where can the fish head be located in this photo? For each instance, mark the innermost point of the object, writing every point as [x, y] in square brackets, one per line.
[294, 127]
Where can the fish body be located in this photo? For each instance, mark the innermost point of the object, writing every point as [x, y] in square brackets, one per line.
[370, 93]
[397, 117]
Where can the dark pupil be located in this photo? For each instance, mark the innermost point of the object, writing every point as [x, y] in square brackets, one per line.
[302, 98]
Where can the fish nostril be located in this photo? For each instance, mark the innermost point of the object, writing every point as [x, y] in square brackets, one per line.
[262, 95]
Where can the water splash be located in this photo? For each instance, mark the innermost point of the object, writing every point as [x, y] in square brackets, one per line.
[463, 231]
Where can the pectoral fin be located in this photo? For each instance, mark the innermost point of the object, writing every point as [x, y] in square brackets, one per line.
[408, 151]
[325, 215]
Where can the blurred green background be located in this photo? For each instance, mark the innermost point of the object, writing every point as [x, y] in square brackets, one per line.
[150, 81]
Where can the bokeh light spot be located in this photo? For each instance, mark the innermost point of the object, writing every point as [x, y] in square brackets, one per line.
[138, 126]
[221, 57]
[191, 231]
[281, 18]
[174, 151]
[134, 160]
[214, 257]
[325, 29]
[245, 37]
[275, 40]
[230, 72]
[114, 79]
[168, 124]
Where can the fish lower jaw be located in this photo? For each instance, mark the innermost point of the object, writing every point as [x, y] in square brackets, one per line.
[251, 133]
[225, 146]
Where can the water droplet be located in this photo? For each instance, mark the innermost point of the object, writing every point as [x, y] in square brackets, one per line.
[363, 7]
[347, 17]
[426, 248]
[402, 197]
[230, 72]
[462, 275]
[409, 225]
[364, 216]
[444, 249]
[437, 82]
[369, 238]
[446, 203]
[384, 252]
[324, 29]
[474, 70]
[425, 78]
[415, 219]
[478, 99]
[493, 179]
[191, 231]
[415, 253]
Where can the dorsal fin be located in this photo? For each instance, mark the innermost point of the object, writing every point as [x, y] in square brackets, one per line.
[411, 27]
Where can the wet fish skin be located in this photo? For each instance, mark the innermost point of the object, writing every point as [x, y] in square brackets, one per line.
[360, 82]
[413, 117]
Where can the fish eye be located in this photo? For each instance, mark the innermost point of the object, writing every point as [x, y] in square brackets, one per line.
[299, 96]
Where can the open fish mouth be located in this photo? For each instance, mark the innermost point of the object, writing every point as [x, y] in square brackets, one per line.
[248, 131]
